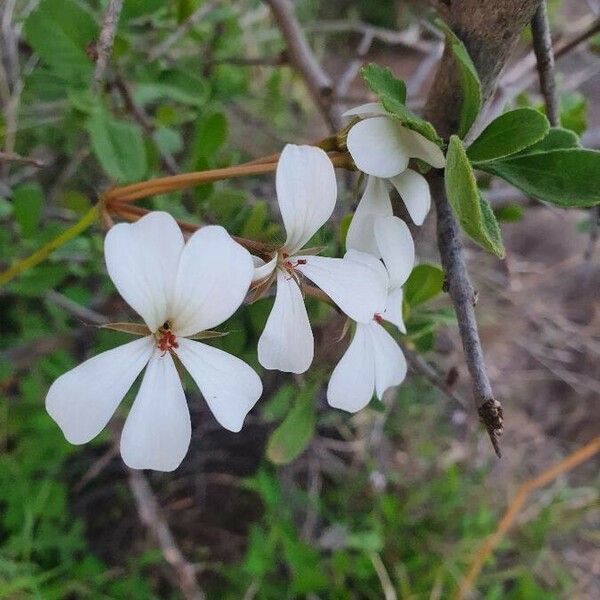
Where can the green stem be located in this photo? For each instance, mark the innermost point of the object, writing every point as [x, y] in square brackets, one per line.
[42, 253]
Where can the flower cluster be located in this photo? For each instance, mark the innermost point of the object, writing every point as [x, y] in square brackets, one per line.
[182, 290]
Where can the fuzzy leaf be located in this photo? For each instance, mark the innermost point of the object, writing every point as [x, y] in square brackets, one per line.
[425, 282]
[381, 81]
[471, 86]
[473, 212]
[509, 133]
[568, 177]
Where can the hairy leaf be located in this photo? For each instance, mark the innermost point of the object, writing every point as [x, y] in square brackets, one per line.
[509, 133]
[473, 212]
[471, 86]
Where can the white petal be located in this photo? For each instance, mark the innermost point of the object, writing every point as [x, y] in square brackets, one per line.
[229, 386]
[142, 259]
[390, 364]
[287, 343]
[212, 281]
[82, 400]
[306, 192]
[396, 247]
[377, 147]
[418, 146]
[370, 109]
[359, 288]
[263, 269]
[352, 382]
[375, 201]
[393, 309]
[157, 431]
[414, 190]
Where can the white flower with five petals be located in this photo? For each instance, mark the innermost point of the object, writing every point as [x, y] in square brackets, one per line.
[373, 361]
[179, 289]
[306, 193]
[381, 147]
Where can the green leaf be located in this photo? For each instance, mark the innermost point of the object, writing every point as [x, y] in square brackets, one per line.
[568, 177]
[211, 134]
[471, 86]
[412, 121]
[509, 213]
[381, 81]
[28, 200]
[473, 212]
[557, 138]
[509, 133]
[179, 86]
[573, 112]
[295, 432]
[118, 146]
[424, 283]
[390, 92]
[59, 31]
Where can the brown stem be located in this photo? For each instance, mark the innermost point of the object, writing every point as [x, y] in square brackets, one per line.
[161, 185]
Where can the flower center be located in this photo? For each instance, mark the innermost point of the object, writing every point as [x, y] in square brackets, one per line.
[378, 318]
[166, 339]
[289, 265]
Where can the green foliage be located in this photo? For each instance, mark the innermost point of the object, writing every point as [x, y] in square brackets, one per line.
[473, 211]
[424, 283]
[383, 84]
[292, 436]
[118, 146]
[573, 112]
[27, 203]
[508, 134]
[567, 177]
[60, 31]
[471, 86]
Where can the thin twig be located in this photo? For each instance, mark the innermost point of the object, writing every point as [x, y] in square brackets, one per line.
[420, 366]
[542, 46]
[301, 56]
[462, 295]
[150, 515]
[105, 41]
[523, 493]
[567, 46]
[17, 158]
[182, 30]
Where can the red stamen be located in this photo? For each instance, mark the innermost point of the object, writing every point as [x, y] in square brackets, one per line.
[167, 341]
[378, 318]
[301, 261]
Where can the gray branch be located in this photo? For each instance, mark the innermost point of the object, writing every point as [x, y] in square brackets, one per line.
[489, 30]
[544, 53]
[105, 41]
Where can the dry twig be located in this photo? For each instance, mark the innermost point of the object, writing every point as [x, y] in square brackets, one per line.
[151, 517]
[523, 493]
[542, 46]
[105, 41]
[301, 56]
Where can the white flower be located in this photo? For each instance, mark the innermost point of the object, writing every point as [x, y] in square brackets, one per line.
[306, 193]
[381, 147]
[179, 290]
[373, 361]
